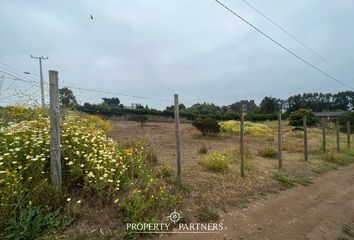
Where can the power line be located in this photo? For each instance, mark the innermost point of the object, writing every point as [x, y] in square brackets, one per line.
[16, 78]
[296, 39]
[13, 69]
[283, 47]
[122, 94]
[8, 70]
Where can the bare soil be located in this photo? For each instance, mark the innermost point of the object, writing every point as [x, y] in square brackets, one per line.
[254, 207]
[319, 211]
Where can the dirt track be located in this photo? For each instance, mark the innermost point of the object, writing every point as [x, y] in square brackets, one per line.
[318, 211]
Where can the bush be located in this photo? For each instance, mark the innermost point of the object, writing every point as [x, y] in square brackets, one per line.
[296, 117]
[283, 180]
[141, 119]
[268, 152]
[341, 159]
[203, 150]
[90, 160]
[33, 222]
[253, 129]
[206, 126]
[215, 162]
[207, 215]
[343, 122]
[233, 154]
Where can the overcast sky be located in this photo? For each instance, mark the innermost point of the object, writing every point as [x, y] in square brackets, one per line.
[195, 48]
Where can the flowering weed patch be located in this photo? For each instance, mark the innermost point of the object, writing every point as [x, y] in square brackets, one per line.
[90, 160]
[252, 129]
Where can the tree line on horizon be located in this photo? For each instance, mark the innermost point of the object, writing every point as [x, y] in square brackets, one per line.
[266, 110]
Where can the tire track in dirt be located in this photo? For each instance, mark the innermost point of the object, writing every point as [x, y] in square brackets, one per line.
[314, 212]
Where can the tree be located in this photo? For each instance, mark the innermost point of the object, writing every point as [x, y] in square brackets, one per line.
[111, 101]
[67, 98]
[296, 117]
[207, 126]
[270, 105]
[204, 108]
[251, 106]
[142, 119]
[172, 107]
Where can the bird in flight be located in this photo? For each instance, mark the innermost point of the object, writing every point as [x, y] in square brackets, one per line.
[91, 17]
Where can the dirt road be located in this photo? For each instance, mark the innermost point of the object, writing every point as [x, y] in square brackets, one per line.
[318, 211]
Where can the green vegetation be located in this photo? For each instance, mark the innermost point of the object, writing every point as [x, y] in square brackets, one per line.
[203, 149]
[268, 152]
[348, 229]
[233, 154]
[67, 98]
[296, 117]
[115, 173]
[283, 180]
[215, 162]
[250, 128]
[343, 122]
[140, 119]
[32, 222]
[207, 126]
[207, 215]
[342, 159]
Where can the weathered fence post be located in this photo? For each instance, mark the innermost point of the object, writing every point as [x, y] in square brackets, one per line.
[305, 138]
[55, 162]
[178, 142]
[337, 135]
[280, 145]
[348, 134]
[242, 160]
[324, 147]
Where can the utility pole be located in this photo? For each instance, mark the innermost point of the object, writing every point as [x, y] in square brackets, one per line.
[41, 77]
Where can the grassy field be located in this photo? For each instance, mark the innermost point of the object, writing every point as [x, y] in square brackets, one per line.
[124, 172]
[217, 191]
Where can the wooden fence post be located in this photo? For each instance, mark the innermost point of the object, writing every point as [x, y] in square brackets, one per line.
[178, 141]
[324, 147]
[55, 162]
[305, 138]
[348, 134]
[280, 145]
[337, 135]
[242, 160]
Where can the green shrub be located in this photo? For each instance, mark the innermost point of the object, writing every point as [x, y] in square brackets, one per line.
[207, 126]
[215, 162]
[283, 180]
[249, 166]
[207, 215]
[233, 154]
[203, 150]
[91, 161]
[142, 119]
[343, 122]
[296, 117]
[32, 222]
[268, 152]
[341, 159]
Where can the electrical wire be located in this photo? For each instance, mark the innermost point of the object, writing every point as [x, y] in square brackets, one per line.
[16, 78]
[121, 94]
[296, 39]
[283, 47]
[16, 70]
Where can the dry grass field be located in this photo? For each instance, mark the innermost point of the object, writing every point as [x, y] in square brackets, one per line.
[209, 194]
